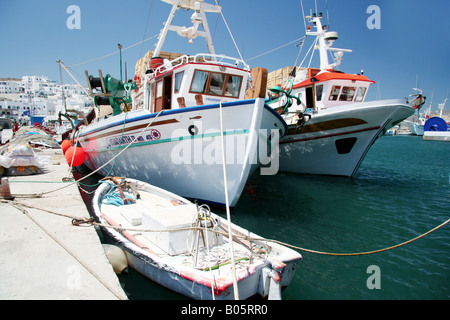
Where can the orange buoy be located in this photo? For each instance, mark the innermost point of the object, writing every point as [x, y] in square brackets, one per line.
[77, 159]
[66, 144]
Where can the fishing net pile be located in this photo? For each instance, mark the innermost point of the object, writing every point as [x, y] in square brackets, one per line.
[19, 156]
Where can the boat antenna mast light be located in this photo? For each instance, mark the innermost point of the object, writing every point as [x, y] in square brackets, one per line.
[197, 18]
[325, 40]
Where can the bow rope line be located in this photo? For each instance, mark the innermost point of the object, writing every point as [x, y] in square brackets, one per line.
[277, 48]
[78, 221]
[140, 42]
[112, 159]
[113, 53]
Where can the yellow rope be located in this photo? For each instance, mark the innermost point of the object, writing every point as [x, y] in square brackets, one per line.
[362, 253]
[78, 221]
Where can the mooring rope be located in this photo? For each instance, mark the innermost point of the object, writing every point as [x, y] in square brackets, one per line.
[70, 252]
[77, 221]
[112, 159]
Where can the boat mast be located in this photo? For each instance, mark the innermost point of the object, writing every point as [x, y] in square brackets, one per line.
[441, 107]
[197, 18]
[325, 39]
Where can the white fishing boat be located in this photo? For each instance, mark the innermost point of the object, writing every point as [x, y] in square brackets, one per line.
[331, 126]
[415, 125]
[186, 248]
[179, 111]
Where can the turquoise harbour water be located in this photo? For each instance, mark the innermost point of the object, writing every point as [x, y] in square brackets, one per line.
[401, 191]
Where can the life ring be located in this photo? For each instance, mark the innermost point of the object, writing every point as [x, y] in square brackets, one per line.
[193, 130]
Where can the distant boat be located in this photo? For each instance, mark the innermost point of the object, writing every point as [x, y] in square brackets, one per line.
[171, 120]
[191, 254]
[392, 131]
[416, 126]
[436, 128]
[331, 126]
[6, 130]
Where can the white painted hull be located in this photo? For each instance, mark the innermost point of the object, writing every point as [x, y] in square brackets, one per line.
[317, 152]
[265, 274]
[175, 155]
[415, 128]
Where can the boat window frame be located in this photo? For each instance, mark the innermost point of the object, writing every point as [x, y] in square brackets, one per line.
[220, 79]
[319, 92]
[346, 96]
[159, 88]
[358, 97]
[178, 79]
[226, 92]
[334, 96]
[225, 88]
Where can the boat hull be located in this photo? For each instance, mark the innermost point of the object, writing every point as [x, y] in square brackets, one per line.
[181, 149]
[186, 284]
[335, 142]
[262, 277]
[415, 128]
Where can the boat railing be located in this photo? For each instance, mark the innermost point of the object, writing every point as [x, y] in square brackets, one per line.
[221, 59]
[202, 58]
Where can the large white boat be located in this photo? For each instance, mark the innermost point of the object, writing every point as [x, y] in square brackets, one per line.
[180, 114]
[331, 126]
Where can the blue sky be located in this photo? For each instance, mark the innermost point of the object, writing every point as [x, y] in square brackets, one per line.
[413, 39]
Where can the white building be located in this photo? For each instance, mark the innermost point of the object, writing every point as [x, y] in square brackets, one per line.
[36, 96]
[10, 86]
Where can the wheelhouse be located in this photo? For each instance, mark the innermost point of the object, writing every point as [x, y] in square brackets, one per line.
[192, 81]
[328, 90]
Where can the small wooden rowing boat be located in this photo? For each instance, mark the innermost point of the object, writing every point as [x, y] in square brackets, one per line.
[185, 247]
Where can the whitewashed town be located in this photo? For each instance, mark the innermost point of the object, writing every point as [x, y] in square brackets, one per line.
[37, 99]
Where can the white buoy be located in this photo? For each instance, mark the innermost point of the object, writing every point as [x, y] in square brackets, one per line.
[116, 257]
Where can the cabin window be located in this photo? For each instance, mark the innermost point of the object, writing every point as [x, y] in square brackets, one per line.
[159, 89]
[361, 93]
[200, 81]
[347, 94]
[178, 78]
[233, 86]
[217, 84]
[334, 93]
[319, 92]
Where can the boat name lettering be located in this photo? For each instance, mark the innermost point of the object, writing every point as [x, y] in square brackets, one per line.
[212, 99]
[127, 139]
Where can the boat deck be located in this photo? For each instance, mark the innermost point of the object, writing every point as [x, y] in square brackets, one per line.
[116, 216]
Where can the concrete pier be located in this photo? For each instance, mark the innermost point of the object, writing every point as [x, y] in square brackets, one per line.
[436, 135]
[42, 255]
